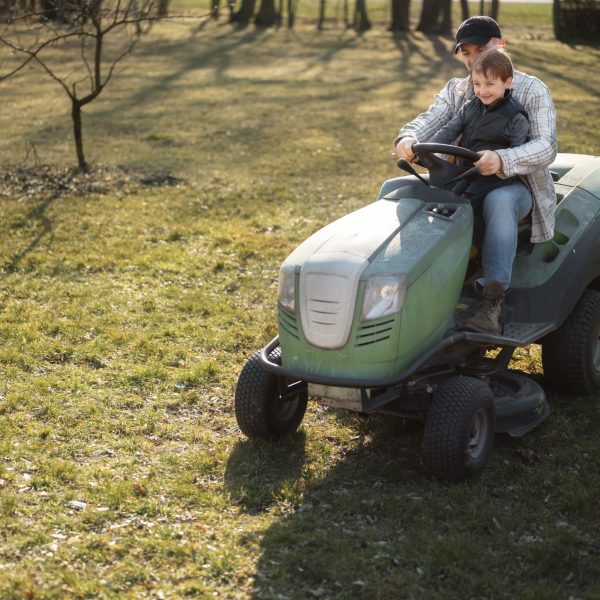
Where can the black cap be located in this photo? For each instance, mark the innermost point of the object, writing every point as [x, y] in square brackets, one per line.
[477, 30]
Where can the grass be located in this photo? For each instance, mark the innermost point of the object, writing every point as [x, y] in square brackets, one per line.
[126, 318]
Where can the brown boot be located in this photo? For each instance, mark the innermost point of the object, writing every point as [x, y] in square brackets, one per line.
[487, 315]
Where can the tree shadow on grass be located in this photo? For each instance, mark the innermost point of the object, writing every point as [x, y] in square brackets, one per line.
[37, 214]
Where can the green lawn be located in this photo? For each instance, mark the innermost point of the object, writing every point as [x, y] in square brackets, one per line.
[127, 316]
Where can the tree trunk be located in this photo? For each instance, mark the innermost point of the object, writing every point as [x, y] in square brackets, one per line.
[267, 15]
[446, 23]
[482, 7]
[162, 8]
[464, 7]
[430, 11]
[245, 13]
[215, 9]
[557, 21]
[400, 15]
[291, 14]
[346, 12]
[321, 14]
[54, 10]
[495, 9]
[7, 10]
[77, 134]
[361, 19]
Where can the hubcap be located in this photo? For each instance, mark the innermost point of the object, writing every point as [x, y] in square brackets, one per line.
[478, 434]
[286, 408]
[286, 403]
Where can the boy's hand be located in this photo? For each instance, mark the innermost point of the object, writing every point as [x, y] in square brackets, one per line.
[489, 163]
[404, 148]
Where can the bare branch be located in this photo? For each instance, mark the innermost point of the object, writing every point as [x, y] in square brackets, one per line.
[49, 71]
[85, 60]
[31, 54]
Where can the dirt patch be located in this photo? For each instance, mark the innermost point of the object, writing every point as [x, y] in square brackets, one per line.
[52, 181]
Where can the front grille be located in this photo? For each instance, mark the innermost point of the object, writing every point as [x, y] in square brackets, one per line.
[372, 334]
[288, 323]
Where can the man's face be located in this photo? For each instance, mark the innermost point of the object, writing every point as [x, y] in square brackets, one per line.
[469, 52]
[489, 89]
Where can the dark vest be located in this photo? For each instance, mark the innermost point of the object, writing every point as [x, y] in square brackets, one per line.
[485, 126]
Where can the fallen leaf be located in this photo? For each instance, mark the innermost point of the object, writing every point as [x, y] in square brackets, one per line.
[139, 490]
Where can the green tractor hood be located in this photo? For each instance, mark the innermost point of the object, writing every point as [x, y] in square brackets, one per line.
[345, 321]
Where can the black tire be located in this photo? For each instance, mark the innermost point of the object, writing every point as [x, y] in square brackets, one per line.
[265, 406]
[571, 354]
[459, 430]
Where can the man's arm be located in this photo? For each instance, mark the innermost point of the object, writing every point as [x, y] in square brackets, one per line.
[541, 148]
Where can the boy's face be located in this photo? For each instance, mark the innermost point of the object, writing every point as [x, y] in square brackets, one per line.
[490, 90]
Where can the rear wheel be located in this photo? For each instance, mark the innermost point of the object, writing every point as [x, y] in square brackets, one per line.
[459, 430]
[267, 407]
[571, 354]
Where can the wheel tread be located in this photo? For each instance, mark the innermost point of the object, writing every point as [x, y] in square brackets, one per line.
[256, 391]
[443, 445]
[566, 351]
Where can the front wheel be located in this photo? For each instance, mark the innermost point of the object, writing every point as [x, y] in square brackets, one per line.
[459, 430]
[267, 407]
[571, 354]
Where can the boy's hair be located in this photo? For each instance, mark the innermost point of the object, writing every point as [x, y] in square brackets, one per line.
[494, 63]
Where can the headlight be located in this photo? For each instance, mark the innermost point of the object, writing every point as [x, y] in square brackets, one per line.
[384, 295]
[287, 287]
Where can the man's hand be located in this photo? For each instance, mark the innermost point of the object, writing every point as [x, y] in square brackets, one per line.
[489, 163]
[404, 148]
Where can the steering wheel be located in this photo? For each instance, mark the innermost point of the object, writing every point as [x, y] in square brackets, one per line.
[447, 149]
[442, 172]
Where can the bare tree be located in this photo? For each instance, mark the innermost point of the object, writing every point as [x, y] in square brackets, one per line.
[244, 14]
[267, 14]
[400, 15]
[435, 16]
[82, 32]
[361, 18]
[321, 20]
[494, 10]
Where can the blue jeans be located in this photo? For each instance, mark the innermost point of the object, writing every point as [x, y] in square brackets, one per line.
[503, 208]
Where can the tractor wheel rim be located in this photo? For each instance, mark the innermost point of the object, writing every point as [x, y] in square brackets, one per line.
[478, 434]
[286, 407]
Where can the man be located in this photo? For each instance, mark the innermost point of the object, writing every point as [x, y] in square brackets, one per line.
[503, 207]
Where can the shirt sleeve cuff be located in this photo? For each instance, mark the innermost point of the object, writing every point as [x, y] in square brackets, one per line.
[506, 163]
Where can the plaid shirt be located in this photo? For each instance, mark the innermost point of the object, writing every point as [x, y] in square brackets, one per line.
[530, 161]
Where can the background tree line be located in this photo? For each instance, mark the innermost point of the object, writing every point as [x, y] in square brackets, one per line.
[434, 15]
